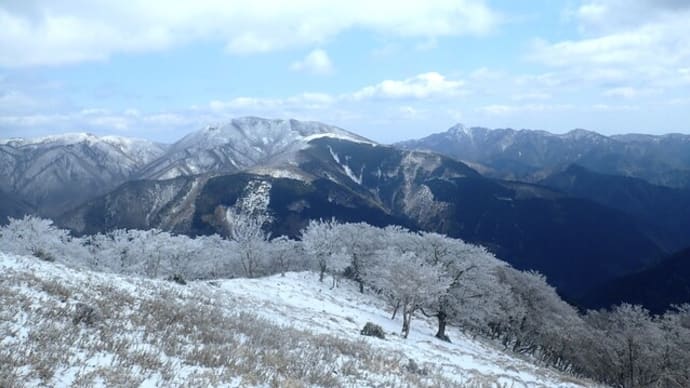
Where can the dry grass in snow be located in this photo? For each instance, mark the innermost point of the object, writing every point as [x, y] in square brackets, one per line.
[62, 327]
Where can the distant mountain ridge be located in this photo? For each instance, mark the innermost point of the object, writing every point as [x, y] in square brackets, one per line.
[531, 155]
[56, 173]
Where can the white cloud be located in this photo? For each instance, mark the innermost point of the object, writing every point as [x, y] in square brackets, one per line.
[406, 103]
[316, 62]
[418, 92]
[630, 47]
[304, 101]
[409, 112]
[355, 107]
[97, 120]
[605, 16]
[622, 42]
[48, 33]
[501, 109]
[424, 85]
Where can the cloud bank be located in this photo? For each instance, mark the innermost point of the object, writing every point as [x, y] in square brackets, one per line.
[69, 31]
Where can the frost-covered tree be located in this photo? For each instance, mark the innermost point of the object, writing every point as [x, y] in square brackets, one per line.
[319, 241]
[409, 279]
[180, 252]
[157, 248]
[537, 322]
[674, 370]
[358, 242]
[284, 254]
[469, 269]
[34, 236]
[216, 257]
[246, 227]
[633, 351]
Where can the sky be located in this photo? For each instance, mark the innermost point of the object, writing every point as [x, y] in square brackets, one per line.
[388, 70]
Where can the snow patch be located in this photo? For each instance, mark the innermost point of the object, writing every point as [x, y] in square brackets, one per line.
[338, 136]
[334, 155]
[280, 173]
[351, 175]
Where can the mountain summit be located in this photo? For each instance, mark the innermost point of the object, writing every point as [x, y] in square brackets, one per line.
[237, 145]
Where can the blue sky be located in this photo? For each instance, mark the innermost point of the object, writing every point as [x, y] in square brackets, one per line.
[389, 70]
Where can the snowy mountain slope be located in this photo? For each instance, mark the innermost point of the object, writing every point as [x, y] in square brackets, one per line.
[393, 179]
[166, 204]
[55, 173]
[12, 206]
[237, 145]
[61, 327]
[531, 155]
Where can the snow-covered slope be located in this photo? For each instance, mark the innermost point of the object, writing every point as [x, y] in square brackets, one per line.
[62, 327]
[58, 172]
[129, 152]
[237, 145]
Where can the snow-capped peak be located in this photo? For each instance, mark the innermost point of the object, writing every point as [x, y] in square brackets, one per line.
[62, 139]
[124, 143]
[262, 133]
[461, 131]
[458, 129]
[240, 144]
[582, 134]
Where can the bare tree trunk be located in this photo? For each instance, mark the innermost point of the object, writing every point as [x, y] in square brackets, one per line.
[442, 322]
[322, 268]
[407, 317]
[357, 273]
[395, 310]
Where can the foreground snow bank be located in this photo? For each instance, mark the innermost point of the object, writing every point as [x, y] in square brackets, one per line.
[61, 327]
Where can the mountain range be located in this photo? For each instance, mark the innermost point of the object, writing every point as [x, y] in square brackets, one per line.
[56, 173]
[582, 208]
[530, 155]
